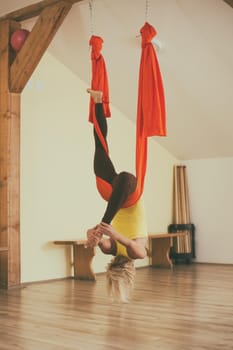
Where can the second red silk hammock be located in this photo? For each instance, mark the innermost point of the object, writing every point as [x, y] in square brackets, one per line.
[151, 114]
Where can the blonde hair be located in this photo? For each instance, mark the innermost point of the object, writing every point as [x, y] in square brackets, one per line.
[120, 278]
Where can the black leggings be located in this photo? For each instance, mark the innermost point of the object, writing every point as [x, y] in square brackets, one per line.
[123, 184]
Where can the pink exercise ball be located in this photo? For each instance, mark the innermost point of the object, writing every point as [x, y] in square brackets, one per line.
[18, 38]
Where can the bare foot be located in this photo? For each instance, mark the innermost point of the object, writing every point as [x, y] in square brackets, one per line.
[96, 95]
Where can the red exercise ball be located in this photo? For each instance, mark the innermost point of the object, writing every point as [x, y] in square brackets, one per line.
[18, 38]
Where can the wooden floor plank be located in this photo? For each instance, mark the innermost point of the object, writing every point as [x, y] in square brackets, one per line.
[189, 307]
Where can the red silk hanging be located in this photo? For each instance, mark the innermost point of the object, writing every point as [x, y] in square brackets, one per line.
[151, 115]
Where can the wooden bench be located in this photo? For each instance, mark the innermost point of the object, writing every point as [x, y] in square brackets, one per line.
[82, 259]
[159, 246]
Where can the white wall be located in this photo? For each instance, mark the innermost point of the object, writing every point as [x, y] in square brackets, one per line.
[211, 200]
[59, 199]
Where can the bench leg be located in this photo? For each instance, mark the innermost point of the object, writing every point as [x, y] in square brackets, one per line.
[160, 249]
[83, 263]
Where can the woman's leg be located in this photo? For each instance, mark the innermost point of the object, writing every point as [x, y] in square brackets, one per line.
[123, 184]
[103, 166]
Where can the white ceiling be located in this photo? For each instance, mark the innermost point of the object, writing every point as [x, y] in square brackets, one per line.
[196, 62]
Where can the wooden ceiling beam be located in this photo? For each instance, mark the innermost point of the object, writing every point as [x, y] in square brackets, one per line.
[34, 10]
[36, 44]
[229, 2]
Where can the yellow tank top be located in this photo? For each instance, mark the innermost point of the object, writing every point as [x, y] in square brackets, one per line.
[131, 223]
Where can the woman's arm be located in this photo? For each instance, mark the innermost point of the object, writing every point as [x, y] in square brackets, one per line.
[94, 238]
[136, 249]
[107, 246]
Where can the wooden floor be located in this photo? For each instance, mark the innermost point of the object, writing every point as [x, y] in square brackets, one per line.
[189, 307]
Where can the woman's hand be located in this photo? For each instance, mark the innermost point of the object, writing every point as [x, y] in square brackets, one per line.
[93, 237]
[106, 229]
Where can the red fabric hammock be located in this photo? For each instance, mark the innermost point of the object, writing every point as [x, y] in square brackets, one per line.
[151, 115]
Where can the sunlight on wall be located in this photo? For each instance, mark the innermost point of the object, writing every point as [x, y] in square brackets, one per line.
[59, 199]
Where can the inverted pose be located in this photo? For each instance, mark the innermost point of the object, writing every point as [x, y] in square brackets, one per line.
[125, 227]
[124, 224]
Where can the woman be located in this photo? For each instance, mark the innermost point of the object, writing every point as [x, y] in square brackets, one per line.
[124, 226]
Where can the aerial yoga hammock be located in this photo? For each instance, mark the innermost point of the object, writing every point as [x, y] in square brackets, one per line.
[123, 191]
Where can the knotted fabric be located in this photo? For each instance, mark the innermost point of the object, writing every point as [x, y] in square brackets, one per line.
[99, 82]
